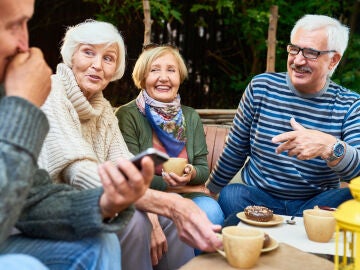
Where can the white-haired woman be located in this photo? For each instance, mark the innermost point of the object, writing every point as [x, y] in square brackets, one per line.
[83, 129]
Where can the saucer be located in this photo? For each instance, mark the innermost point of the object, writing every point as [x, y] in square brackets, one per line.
[276, 220]
[273, 245]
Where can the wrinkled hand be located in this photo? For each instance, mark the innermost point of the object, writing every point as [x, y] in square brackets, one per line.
[174, 180]
[123, 184]
[194, 228]
[303, 143]
[158, 240]
[28, 76]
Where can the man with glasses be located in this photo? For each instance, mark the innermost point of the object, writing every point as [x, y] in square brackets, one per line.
[298, 131]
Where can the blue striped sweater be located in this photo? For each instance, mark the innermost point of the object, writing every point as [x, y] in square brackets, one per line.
[264, 111]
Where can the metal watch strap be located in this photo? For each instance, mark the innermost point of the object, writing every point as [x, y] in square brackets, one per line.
[333, 156]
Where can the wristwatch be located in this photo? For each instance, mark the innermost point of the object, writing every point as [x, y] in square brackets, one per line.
[338, 150]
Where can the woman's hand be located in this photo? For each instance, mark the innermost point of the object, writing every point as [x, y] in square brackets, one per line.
[158, 240]
[173, 180]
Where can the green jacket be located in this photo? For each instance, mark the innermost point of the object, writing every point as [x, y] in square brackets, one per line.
[28, 198]
[137, 133]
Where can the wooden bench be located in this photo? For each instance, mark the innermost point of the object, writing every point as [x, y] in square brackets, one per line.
[215, 140]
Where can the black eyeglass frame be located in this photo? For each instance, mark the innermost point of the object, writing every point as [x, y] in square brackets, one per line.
[307, 50]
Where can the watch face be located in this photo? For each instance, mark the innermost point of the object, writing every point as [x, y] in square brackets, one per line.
[339, 149]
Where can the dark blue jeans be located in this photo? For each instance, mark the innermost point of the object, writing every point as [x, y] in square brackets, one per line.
[235, 197]
[93, 253]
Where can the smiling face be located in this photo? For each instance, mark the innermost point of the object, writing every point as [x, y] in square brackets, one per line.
[94, 66]
[14, 36]
[163, 79]
[309, 75]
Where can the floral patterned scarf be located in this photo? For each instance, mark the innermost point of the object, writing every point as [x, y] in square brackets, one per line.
[166, 119]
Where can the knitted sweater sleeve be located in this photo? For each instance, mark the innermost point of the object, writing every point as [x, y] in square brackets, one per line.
[117, 146]
[196, 145]
[64, 145]
[83, 173]
[71, 154]
[59, 211]
[23, 128]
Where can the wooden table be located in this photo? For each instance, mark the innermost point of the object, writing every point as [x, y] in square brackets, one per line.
[285, 257]
[295, 235]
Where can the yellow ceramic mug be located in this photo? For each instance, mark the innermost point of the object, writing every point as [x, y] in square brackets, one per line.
[319, 224]
[242, 246]
[175, 165]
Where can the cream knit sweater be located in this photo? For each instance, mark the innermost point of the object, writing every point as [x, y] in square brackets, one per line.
[82, 133]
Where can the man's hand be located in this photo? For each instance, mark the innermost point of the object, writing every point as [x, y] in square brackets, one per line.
[194, 228]
[303, 143]
[28, 76]
[123, 184]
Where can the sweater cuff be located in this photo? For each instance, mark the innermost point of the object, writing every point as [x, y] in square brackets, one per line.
[87, 214]
[83, 174]
[212, 187]
[22, 124]
[345, 162]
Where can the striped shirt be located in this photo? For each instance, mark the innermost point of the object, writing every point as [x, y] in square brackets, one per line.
[265, 110]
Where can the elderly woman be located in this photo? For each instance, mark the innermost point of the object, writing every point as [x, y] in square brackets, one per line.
[157, 119]
[84, 131]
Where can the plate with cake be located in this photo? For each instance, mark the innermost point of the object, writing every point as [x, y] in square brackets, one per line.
[269, 244]
[259, 216]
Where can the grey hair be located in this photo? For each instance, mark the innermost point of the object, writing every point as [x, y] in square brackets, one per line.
[93, 32]
[337, 33]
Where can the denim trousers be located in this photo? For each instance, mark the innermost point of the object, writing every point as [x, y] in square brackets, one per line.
[234, 198]
[211, 208]
[20, 262]
[99, 252]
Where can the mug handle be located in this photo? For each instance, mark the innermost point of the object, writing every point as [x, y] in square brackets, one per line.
[222, 252]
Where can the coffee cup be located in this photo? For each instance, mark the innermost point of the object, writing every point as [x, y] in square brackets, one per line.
[241, 246]
[175, 165]
[319, 224]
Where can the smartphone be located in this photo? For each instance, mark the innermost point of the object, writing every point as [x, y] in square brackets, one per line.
[157, 156]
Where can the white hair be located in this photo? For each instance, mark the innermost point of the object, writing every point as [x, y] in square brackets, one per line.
[93, 32]
[337, 33]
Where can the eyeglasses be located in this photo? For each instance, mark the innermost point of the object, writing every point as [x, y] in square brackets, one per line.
[150, 46]
[306, 52]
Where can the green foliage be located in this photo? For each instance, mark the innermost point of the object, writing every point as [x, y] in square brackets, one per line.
[123, 11]
[348, 72]
[212, 5]
[117, 12]
[242, 51]
[164, 10]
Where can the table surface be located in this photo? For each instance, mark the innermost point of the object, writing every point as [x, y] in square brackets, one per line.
[295, 236]
[284, 257]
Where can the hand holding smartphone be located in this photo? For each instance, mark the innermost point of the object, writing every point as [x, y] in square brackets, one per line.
[157, 156]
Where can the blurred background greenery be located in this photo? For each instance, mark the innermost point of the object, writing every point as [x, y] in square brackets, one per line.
[224, 42]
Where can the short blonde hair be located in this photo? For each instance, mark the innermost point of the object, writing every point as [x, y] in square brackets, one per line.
[93, 32]
[148, 56]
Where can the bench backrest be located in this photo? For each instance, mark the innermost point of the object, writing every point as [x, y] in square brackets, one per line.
[215, 140]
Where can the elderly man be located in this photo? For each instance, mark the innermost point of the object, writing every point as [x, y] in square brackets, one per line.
[299, 130]
[59, 225]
